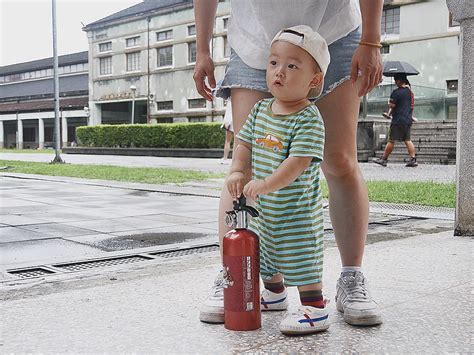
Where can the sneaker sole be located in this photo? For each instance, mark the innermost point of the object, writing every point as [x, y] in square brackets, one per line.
[305, 332]
[363, 321]
[214, 318]
[374, 319]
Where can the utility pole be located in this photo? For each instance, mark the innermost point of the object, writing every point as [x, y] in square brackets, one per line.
[57, 131]
[148, 119]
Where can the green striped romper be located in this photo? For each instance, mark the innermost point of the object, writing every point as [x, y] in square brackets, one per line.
[290, 225]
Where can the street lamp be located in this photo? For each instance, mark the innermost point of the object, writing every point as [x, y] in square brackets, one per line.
[133, 88]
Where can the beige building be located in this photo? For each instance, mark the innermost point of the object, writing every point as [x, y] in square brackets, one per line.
[141, 63]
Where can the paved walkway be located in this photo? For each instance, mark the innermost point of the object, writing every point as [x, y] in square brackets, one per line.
[419, 273]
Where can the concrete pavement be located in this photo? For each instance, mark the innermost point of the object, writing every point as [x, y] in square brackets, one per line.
[419, 273]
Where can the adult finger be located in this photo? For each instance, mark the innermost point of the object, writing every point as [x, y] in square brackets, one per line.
[363, 84]
[200, 82]
[354, 71]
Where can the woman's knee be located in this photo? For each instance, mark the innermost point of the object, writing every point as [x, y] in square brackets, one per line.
[340, 165]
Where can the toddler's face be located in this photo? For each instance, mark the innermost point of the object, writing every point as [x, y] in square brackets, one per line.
[291, 72]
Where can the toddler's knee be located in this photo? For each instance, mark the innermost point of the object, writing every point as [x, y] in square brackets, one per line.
[339, 165]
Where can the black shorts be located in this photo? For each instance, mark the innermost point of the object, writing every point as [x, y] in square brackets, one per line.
[399, 132]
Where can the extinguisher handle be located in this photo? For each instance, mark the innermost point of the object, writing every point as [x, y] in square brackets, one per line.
[241, 205]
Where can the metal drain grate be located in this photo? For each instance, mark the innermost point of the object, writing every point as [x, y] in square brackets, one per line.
[27, 273]
[98, 263]
[413, 210]
[187, 251]
[102, 263]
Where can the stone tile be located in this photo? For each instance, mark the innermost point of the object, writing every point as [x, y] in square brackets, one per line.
[15, 234]
[56, 230]
[35, 252]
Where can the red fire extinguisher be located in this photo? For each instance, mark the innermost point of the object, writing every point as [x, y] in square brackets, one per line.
[241, 271]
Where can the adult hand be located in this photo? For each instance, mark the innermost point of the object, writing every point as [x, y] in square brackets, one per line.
[235, 184]
[254, 188]
[368, 60]
[203, 69]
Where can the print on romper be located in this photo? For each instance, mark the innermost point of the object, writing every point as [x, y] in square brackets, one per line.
[271, 142]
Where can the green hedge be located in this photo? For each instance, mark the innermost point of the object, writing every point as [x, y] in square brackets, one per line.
[173, 135]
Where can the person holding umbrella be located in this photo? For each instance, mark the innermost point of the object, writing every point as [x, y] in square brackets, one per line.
[401, 104]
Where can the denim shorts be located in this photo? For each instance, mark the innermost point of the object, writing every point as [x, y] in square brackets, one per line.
[240, 75]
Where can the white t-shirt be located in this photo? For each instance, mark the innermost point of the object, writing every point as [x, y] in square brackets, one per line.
[254, 23]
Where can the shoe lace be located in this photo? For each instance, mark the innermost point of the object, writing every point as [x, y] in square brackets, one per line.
[355, 287]
[218, 288]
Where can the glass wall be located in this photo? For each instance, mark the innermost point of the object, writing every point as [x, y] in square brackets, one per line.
[430, 103]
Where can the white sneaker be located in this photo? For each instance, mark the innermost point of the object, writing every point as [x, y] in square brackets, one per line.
[212, 309]
[270, 301]
[307, 320]
[353, 299]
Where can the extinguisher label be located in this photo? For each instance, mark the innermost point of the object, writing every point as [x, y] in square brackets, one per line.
[241, 276]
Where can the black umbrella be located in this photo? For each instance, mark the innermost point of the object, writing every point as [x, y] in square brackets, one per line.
[390, 68]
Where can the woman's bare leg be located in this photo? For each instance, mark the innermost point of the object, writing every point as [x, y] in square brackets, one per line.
[348, 198]
[242, 102]
[228, 139]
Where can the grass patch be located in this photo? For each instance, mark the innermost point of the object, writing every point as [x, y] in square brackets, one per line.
[416, 193]
[107, 172]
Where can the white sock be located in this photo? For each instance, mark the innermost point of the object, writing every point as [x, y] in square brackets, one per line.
[351, 268]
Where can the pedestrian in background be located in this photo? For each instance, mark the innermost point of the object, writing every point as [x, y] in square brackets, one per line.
[402, 101]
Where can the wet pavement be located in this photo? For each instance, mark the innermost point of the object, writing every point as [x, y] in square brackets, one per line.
[419, 273]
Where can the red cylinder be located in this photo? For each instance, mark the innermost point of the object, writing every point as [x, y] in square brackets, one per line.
[241, 272]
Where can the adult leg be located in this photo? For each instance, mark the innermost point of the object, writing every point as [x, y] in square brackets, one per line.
[228, 138]
[412, 152]
[388, 150]
[348, 197]
[348, 201]
[410, 148]
[212, 310]
[242, 102]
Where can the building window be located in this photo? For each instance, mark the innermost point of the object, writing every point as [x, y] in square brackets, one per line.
[133, 61]
[225, 23]
[191, 30]
[385, 49]
[196, 119]
[165, 56]
[164, 105]
[164, 119]
[132, 42]
[104, 47]
[192, 52]
[226, 47]
[196, 103]
[164, 35]
[391, 21]
[105, 66]
[453, 22]
[29, 134]
[452, 86]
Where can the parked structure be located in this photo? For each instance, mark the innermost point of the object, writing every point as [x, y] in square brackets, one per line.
[27, 101]
[144, 57]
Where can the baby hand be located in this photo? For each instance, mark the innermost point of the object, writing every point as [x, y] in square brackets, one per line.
[235, 184]
[255, 188]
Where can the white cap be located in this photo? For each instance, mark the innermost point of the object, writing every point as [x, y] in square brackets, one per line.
[304, 37]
